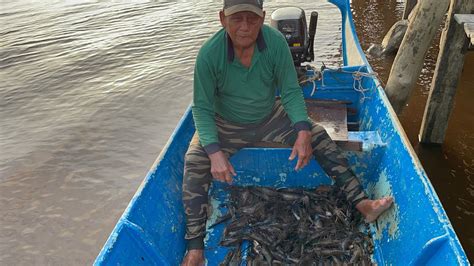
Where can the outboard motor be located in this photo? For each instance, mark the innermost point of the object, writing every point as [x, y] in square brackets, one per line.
[291, 21]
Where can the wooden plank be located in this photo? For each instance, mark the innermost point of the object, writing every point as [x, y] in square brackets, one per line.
[468, 21]
[453, 45]
[469, 29]
[464, 18]
[332, 117]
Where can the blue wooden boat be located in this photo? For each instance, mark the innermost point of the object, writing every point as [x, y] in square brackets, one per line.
[415, 231]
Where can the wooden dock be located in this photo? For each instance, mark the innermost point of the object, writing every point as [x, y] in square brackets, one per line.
[468, 21]
[452, 50]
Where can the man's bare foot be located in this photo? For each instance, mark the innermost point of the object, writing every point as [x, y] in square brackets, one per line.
[371, 209]
[194, 257]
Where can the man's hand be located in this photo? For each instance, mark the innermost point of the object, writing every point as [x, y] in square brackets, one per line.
[302, 149]
[221, 169]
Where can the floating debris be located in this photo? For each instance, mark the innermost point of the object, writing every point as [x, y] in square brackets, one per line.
[294, 227]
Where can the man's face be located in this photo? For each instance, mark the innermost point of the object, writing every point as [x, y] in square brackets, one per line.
[242, 27]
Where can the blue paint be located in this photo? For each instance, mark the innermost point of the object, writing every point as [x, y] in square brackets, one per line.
[415, 231]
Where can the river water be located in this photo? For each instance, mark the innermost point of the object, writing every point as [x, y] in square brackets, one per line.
[91, 91]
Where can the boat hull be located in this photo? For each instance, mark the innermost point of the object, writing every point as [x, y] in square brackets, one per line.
[415, 231]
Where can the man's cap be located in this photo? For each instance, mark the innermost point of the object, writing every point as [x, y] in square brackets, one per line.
[234, 6]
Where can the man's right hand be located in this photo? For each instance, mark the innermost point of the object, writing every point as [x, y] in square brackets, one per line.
[221, 169]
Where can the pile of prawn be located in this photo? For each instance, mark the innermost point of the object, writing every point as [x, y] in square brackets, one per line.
[293, 226]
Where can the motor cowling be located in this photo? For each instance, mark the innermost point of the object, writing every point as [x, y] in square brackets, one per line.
[291, 22]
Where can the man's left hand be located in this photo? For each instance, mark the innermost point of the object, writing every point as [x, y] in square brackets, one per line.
[302, 149]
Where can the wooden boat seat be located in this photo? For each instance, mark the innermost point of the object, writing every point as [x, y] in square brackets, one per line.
[332, 115]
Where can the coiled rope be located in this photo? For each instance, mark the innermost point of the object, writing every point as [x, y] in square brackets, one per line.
[357, 78]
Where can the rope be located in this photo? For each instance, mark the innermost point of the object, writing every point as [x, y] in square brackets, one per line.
[316, 76]
[357, 75]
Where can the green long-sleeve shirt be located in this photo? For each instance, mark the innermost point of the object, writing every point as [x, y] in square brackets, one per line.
[239, 94]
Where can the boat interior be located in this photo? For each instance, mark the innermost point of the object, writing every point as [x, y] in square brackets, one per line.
[333, 102]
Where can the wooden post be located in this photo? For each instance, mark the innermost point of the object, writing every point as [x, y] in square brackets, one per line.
[409, 5]
[409, 61]
[453, 46]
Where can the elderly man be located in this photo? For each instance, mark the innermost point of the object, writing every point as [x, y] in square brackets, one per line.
[236, 74]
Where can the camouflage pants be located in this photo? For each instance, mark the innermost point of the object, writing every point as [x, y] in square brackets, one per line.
[275, 128]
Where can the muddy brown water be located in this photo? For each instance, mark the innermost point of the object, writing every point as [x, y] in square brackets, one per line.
[91, 91]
